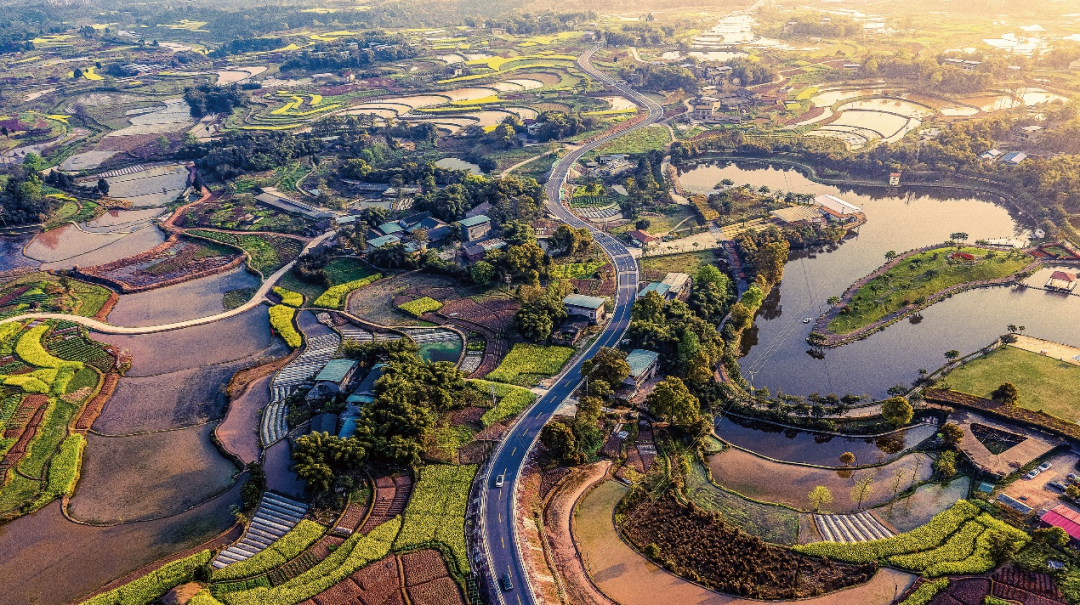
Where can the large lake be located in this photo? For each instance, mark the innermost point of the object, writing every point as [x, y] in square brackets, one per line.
[776, 353]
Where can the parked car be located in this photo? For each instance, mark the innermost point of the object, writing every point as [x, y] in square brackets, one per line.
[1032, 474]
[506, 582]
[500, 480]
[1056, 486]
[1045, 466]
[1073, 477]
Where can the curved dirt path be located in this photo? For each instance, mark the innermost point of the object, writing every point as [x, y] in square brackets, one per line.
[564, 554]
[105, 328]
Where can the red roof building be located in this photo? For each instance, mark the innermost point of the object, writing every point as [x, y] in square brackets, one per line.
[641, 238]
[1064, 517]
[1061, 281]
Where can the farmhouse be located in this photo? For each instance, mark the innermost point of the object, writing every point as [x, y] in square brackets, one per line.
[664, 290]
[475, 228]
[476, 251]
[679, 284]
[365, 392]
[641, 239]
[591, 307]
[275, 199]
[332, 378]
[1064, 517]
[643, 365]
[1014, 158]
[1061, 281]
[380, 242]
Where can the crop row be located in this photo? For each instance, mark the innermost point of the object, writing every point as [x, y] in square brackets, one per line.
[79, 349]
[286, 548]
[982, 559]
[288, 297]
[926, 537]
[576, 270]
[419, 306]
[30, 350]
[436, 510]
[926, 591]
[354, 553]
[334, 297]
[281, 319]
[526, 362]
[153, 585]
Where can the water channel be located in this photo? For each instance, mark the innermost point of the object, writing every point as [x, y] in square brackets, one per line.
[775, 351]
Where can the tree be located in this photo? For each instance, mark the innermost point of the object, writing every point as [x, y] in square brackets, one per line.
[320, 457]
[1052, 536]
[847, 458]
[891, 254]
[818, 496]
[1002, 547]
[481, 273]
[559, 439]
[103, 186]
[1006, 394]
[673, 402]
[570, 241]
[864, 485]
[606, 366]
[952, 433]
[952, 355]
[540, 309]
[945, 465]
[897, 411]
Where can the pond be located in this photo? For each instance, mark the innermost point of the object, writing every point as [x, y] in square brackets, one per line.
[11, 255]
[446, 350]
[823, 449]
[459, 164]
[776, 353]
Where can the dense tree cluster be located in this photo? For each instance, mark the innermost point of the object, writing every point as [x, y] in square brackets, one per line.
[765, 253]
[541, 310]
[409, 397]
[22, 200]
[574, 440]
[208, 98]
[352, 53]
[559, 125]
[246, 45]
[238, 152]
[665, 77]
[750, 72]
[689, 346]
[511, 198]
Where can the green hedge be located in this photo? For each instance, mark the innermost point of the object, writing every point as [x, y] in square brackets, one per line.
[419, 306]
[354, 553]
[281, 318]
[288, 297]
[334, 298]
[285, 549]
[924, 593]
[154, 584]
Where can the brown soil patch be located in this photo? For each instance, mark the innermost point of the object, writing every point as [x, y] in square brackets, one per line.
[172, 262]
[391, 495]
[696, 543]
[93, 408]
[238, 432]
[23, 427]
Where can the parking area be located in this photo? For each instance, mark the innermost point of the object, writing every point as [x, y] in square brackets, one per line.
[1034, 493]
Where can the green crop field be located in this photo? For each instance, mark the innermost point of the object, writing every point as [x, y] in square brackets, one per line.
[1045, 383]
[527, 364]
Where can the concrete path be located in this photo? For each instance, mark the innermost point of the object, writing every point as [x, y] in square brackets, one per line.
[105, 328]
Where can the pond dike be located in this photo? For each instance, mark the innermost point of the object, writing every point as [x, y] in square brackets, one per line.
[822, 336]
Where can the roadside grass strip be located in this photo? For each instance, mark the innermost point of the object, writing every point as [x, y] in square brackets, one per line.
[288, 297]
[943, 525]
[436, 510]
[419, 306]
[576, 270]
[281, 319]
[511, 400]
[155, 584]
[527, 364]
[354, 553]
[957, 541]
[926, 592]
[283, 550]
[334, 297]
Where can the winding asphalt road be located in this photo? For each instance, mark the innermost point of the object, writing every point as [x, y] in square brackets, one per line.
[104, 328]
[498, 505]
